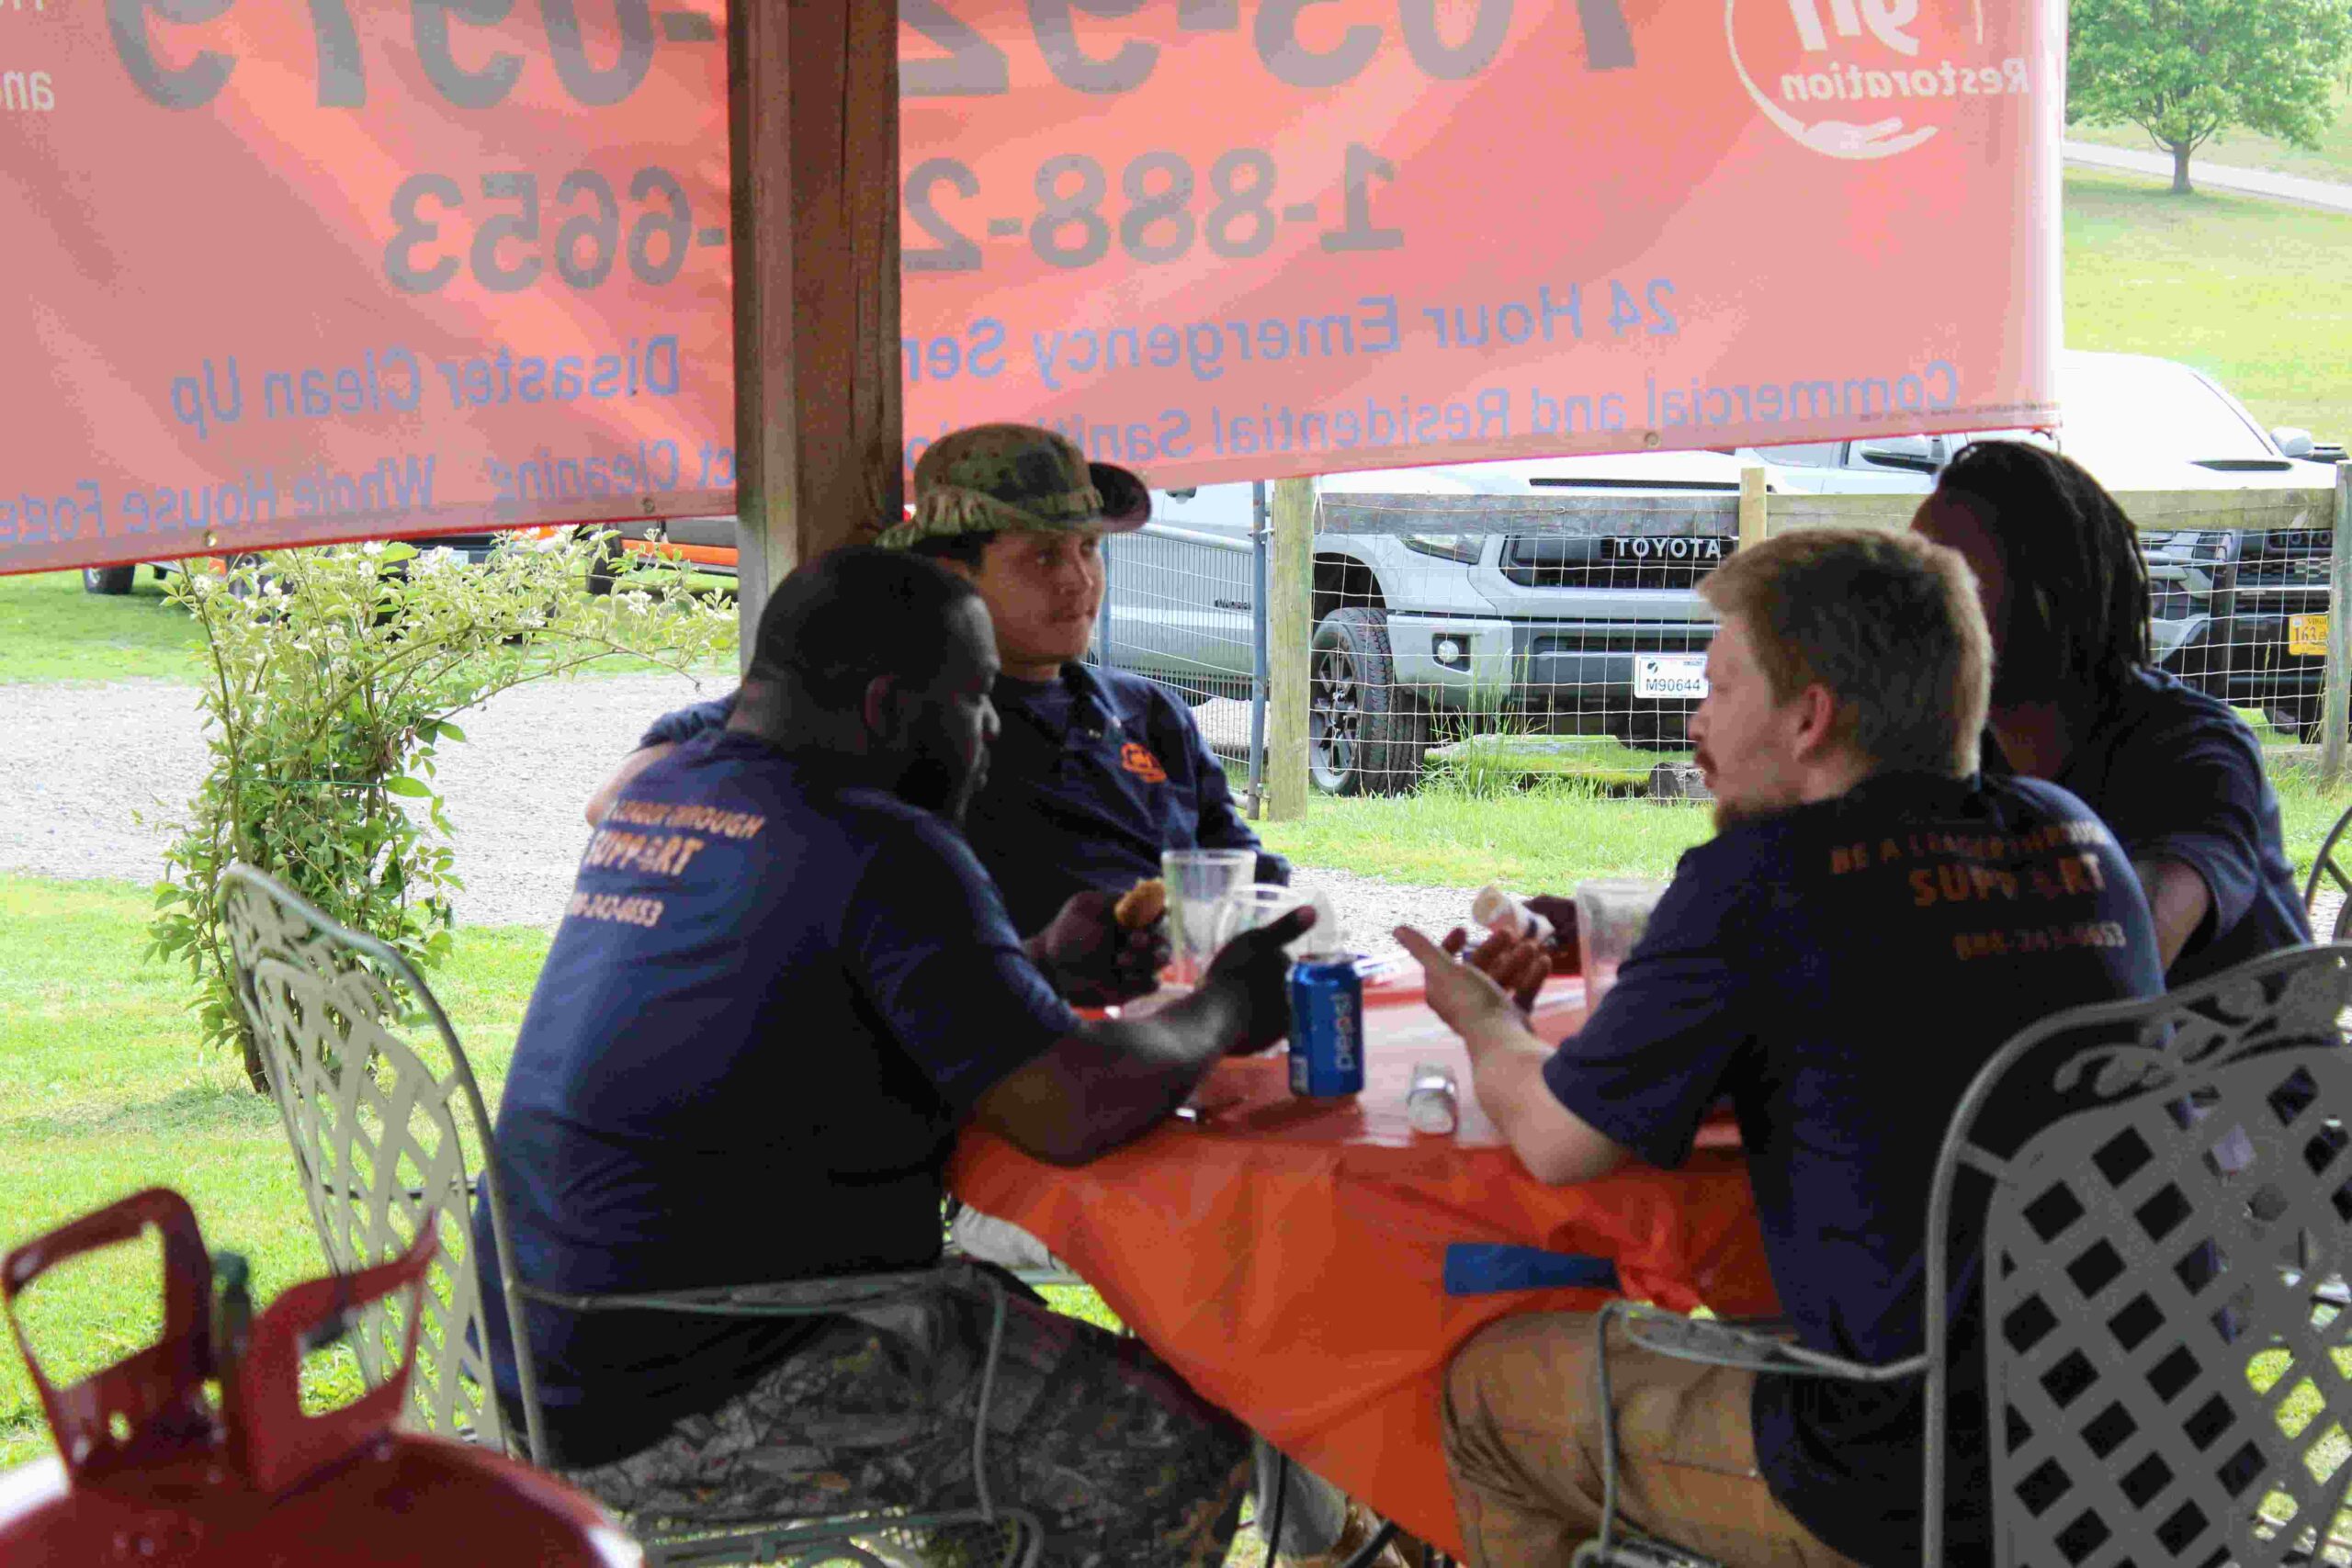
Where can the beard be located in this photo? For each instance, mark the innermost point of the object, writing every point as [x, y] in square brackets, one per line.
[942, 788]
[1730, 814]
[1754, 808]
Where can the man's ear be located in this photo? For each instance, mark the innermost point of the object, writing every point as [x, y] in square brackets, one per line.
[964, 569]
[1817, 727]
[880, 708]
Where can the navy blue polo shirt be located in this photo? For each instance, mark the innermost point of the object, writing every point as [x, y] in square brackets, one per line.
[2178, 775]
[774, 999]
[1094, 775]
[1840, 971]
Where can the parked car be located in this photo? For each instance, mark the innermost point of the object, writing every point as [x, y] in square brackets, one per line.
[122, 579]
[1589, 632]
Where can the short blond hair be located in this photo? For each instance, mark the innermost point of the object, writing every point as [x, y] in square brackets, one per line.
[1888, 623]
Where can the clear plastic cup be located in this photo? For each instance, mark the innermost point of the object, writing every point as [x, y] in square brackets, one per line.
[1257, 904]
[1197, 881]
[1612, 915]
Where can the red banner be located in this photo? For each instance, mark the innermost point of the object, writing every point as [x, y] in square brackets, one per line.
[301, 270]
[1224, 241]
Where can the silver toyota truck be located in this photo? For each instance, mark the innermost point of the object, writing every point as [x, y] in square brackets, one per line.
[1449, 591]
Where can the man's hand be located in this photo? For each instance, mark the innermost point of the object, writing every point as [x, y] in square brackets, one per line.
[1506, 1066]
[1518, 966]
[1091, 959]
[1254, 971]
[1466, 997]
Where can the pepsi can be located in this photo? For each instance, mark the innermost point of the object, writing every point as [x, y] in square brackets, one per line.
[1326, 1027]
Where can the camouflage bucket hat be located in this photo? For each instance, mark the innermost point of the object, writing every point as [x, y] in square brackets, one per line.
[988, 478]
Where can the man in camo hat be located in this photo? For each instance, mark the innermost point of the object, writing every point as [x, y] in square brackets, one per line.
[1096, 772]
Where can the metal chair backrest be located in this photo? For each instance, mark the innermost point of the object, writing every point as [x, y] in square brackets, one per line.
[2160, 1381]
[2325, 865]
[390, 1134]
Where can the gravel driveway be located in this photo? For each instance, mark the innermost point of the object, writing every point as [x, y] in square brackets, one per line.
[76, 761]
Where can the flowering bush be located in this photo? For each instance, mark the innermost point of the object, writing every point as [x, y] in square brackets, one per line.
[335, 676]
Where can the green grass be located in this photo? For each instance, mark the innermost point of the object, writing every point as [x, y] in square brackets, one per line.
[103, 1091]
[2257, 294]
[2330, 160]
[1542, 838]
[1548, 833]
[51, 630]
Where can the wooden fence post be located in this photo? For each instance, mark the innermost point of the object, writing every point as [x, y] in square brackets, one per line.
[2333, 709]
[1751, 505]
[1290, 626]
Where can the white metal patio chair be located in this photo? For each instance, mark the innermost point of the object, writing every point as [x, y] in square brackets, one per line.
[2325, 865]
[2153, 1186]
[392, 1135]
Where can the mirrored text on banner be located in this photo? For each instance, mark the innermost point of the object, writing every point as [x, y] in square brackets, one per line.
[301, 270]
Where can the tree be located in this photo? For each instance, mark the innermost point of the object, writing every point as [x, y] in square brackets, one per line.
[2181, 70]
[337, 674]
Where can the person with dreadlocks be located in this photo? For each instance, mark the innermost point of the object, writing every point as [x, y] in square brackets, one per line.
[2076, 699]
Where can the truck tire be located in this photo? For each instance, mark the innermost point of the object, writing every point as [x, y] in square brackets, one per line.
[603, 566]
[108, 579]
[1363, 735]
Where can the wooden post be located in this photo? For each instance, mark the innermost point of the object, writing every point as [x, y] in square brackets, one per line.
[1752, 517]
[812, 119]
[1290, 627]
[2335, 710]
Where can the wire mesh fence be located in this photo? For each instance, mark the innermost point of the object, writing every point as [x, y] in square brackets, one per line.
[1565, 632]
[2242, 615]
[1564, 635]
[1185, 606]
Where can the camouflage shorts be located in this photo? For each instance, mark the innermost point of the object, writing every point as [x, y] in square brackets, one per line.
[1123, 1462]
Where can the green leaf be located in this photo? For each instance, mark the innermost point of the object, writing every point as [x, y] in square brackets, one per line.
[414, 788]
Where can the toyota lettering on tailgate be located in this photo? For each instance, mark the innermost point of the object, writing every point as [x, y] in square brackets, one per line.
[1708, 549]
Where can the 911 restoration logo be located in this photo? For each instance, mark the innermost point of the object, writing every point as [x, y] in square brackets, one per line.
[1868, 78]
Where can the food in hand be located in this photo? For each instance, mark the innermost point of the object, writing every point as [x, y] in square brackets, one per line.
[1141, 905]
[1505, 916]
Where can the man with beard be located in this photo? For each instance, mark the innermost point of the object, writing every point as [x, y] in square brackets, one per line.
[1871, 923]
[2076, 699]
[782, 986]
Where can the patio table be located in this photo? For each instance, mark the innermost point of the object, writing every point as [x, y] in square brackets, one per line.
[1287, 1256]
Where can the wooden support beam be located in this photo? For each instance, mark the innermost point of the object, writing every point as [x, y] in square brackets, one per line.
[1290, 626]
[2336, 685]
[812, 119]
[1752, 505]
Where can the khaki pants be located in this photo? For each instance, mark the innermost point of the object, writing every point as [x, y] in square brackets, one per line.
[1523, 1444]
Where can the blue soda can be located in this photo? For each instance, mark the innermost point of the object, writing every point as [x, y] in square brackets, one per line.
[1326, 1027]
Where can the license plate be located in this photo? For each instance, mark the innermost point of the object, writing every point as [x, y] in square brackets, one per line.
[2307, 633]
[1677, 676]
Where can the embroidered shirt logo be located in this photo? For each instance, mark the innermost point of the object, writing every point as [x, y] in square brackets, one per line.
[1142, 763]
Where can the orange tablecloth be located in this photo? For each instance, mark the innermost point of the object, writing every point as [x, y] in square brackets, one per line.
[1287, 1256]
